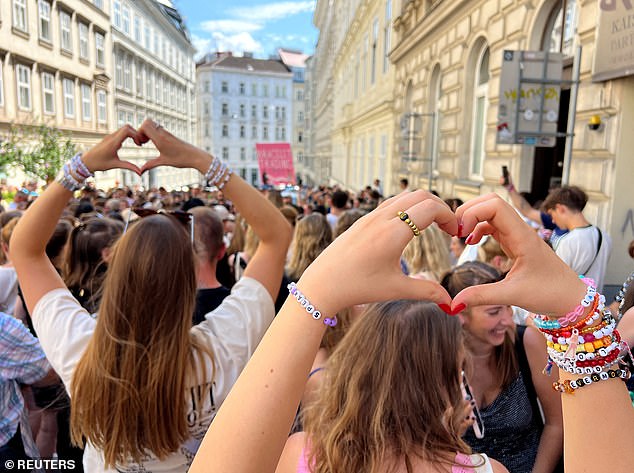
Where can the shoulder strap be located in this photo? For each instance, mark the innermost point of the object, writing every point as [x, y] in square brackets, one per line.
[525, 369]
[600, 240]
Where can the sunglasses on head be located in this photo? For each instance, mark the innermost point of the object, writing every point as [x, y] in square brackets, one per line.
[184, 218]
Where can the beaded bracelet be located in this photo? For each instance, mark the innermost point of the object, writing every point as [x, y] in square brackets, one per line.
[66, 179]
[312, 311]
[218, 174]
[554, 327]
[570, 386]
[78, 167]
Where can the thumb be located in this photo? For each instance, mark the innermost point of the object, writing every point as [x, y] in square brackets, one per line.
[483, 294]
[130, 167]
[420, 289]
[151, 164]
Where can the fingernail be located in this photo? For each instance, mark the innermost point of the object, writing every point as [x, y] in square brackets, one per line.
[460, 226]
[469, 239]
[446, 308]
[459, 308]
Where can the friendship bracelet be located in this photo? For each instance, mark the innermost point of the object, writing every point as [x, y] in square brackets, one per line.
[572, 317]
[554, 327]
[312, 311]
[78, 167]
[570, 386]
[225, 180]
[66, 179]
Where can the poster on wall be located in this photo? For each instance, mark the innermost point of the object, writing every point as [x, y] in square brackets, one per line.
[614, 46]
[529, 98]
[276, 163]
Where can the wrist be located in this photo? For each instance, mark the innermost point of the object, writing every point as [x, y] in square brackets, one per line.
[202, 161]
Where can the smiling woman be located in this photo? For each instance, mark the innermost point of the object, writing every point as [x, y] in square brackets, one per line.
[501, 369]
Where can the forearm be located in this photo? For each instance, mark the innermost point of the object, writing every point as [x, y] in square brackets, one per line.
[521, 204]
[36, 226]
[551, 444]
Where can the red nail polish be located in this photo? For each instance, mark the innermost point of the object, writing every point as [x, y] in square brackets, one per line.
[459, 308]
[469, 239]
[446, 308]
[460, 226]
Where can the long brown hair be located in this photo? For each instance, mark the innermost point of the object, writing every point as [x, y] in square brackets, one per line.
[312, 235]
[128, 390]
[388, 393]
[474, 273]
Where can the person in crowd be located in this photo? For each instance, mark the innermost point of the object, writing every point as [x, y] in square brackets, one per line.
[290, 213]
[533, 214]
[346, 220]
[376, 186]
[456, 247]
[403, 184]
[338, 205]
[88, 252]
[506, 379]
[312, 235]
[209, 248]
[585, 247]
[251, 429]
[8, 276]
[22, 363]
[20, 200]
[491, 253]
[454, 203]
[427, 257]
[144, 384]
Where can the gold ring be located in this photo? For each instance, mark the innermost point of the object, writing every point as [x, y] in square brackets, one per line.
[405, 218]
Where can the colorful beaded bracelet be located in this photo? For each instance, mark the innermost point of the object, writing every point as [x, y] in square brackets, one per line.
[570, 386]
[304, 302]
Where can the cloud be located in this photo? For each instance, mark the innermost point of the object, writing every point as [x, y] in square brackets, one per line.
[230, 26]
[202, 45]
[272, 11]
[236, 42]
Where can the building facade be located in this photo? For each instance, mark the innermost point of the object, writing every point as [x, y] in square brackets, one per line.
[243, 101]
[447, 60]
[296, 62]
[153, 77]
[55, 63]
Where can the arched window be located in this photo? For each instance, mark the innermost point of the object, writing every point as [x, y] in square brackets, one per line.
[479, 112]
[560, 30]
[435, 92]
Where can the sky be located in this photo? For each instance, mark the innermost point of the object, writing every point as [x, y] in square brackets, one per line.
[257, 26]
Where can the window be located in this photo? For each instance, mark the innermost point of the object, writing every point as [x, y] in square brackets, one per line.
[206, 129]
[480, 105]
[283, 137]
[254, 176]
[265, 90]
[284, 91]
[140, 70]
[243, 133]
[265, 132]
[23, 77]
[98, 4]
[206, 108]
[283, 113]
[118, 76]
[116, 13]
[225, 154]
[206, 87]
[157, 88]
[242, 88]
[101, 106]
[254, 90]
[44, 8]
[224, 87]
[64, 22]
[100, 49]
[146, 35]
[126, 20]
[300, 95]
[254, 132]
[127, 73]
[225, 131]
[83, 40]
[254, 111]
[69, 98]
[48, 93]
[300, 116]
[149, 80]
[137, 29]
[243, 112]
[300, 136]
[265, 112]
[554, 40]
[156, 41]
[375, 41]
[19, 15]
[225, 109]
[86, 103]
[387, 35]
[243, 154]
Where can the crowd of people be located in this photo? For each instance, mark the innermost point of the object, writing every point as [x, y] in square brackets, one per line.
[321, 330]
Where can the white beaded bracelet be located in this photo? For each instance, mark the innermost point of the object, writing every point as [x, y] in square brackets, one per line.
[305, 303]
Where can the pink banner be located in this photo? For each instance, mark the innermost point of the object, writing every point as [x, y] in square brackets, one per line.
[276, 163]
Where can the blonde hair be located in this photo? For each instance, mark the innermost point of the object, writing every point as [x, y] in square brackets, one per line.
[387, 393]
[312, 235]
[428, 253]
[128, 389]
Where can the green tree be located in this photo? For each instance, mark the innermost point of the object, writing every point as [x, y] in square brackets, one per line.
[39, 150]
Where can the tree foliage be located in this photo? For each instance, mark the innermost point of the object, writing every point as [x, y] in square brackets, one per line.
[39, 151]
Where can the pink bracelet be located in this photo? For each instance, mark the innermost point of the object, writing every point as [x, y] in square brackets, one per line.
[572, 317]
[312, 311]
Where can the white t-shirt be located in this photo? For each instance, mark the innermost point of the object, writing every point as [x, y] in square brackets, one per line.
[8, 289]
[332, 219]
[232, 331]
[578, 248]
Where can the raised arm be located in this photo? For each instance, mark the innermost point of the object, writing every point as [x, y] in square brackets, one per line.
[274, 232]
[36, 274]
[251, 428]
[541, 282]
[521, 204]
